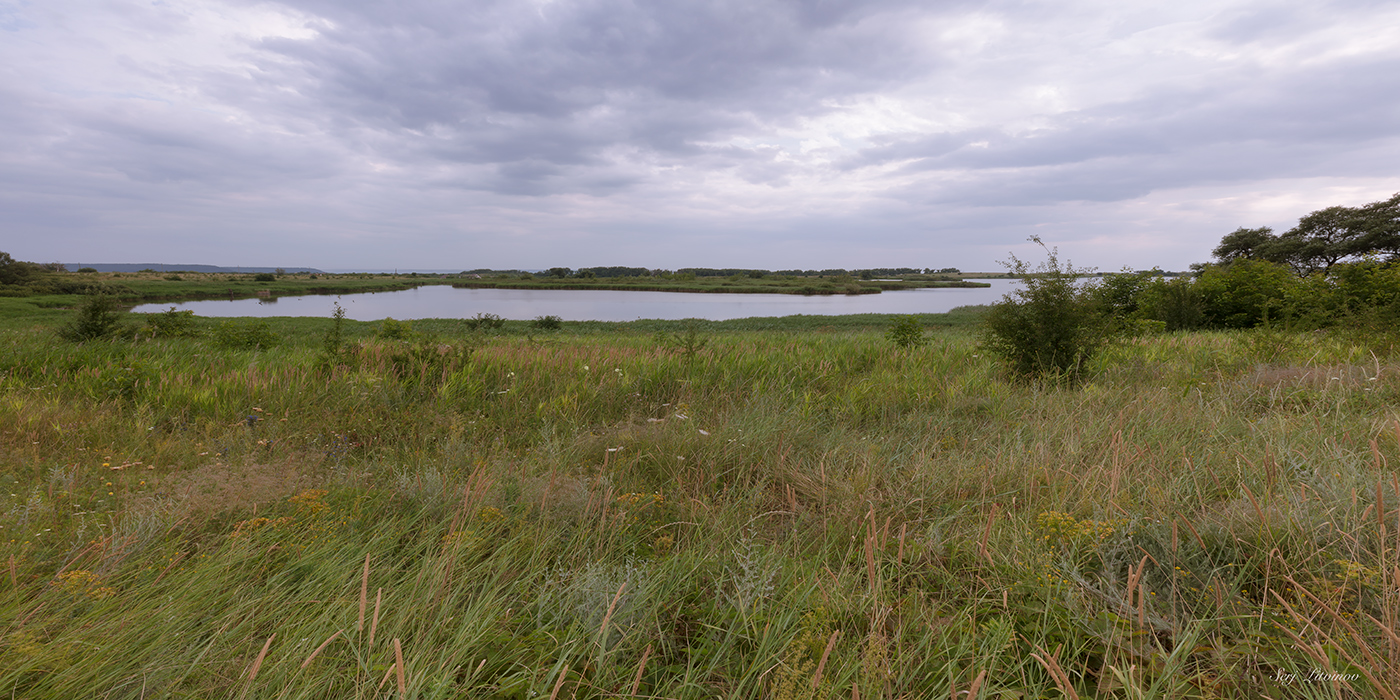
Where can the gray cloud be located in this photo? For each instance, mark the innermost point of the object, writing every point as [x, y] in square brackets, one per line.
[340, 133]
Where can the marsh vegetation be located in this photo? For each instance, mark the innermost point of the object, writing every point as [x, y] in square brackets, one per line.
[692, 510]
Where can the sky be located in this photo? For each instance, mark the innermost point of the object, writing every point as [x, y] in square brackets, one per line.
[431, 134]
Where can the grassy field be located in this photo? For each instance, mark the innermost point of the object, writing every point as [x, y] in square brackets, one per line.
[769, 508]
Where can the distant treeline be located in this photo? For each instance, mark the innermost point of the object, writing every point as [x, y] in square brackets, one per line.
[620, 271]
[1338, 268]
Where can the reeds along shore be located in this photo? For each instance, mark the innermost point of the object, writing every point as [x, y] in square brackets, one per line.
[796, 514]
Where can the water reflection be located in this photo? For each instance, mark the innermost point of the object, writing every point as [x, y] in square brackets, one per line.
[591, 305]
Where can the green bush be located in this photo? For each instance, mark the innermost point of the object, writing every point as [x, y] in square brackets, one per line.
[484, 321]
[170, 324]
[1050, 327]
[393, 329]
[265, 277]
[1239, 294]
[1176, 303]
[250, 335]
[547, 323]
[333, 342]
[98, 317]
[906, 332]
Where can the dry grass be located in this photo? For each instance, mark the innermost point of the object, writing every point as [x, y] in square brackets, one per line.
[811, 513]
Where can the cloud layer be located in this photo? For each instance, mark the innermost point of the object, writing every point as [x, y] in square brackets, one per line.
[423, 134]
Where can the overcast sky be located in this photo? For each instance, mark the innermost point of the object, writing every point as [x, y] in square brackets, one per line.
[772, 134]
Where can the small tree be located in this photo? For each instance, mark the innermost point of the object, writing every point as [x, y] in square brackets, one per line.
[906, 332]
[1049, 327]
[98, 317]
[333, 342]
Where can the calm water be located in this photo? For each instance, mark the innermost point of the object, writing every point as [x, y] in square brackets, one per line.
[441, 301]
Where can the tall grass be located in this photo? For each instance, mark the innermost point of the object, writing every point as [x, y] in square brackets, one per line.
[774, 515]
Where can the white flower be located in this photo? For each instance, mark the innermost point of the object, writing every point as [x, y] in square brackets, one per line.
[704, 432]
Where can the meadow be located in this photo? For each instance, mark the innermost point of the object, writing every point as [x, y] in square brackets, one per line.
[780, 508]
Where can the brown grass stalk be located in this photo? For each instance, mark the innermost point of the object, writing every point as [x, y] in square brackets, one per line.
[976, 686]
[1317, 653]
[607, 617]
[986, 535]
[1199, 540]
[398, 661]
[826, 654]
[1361, 643]
[1263, 523]
[364, 595]
[374, 623]
[637, 681]
[319, 649]
[559, 683]
[257, 663]
[176, 560]
[870, 555]
[1051, 662]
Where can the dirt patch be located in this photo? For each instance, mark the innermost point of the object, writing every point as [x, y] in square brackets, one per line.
[215, 488]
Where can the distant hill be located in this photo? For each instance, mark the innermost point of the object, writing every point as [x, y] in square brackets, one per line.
[166, 267]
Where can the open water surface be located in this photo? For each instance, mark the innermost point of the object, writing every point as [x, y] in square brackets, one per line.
[442, 301]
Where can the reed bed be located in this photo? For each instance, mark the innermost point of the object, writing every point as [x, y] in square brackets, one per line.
[776, 514]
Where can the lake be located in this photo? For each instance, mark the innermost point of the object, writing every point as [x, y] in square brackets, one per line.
[442, 301]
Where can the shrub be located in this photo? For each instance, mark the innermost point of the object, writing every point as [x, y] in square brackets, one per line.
[333, 342]
[170, 324]
[689, 342]
[393, 329]
[252, 335]
[98, 317]
[1119, 294]
[265, 277]
[547, 323]
[485, 321]
[906, 332]
[1176, 303]
[1051, 326]
[1238, 295]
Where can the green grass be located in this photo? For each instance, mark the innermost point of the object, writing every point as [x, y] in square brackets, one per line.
[553, 512]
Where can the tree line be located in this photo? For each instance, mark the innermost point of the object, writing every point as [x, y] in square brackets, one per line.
[753, 273]
[1338, 269]
[1321, 239]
